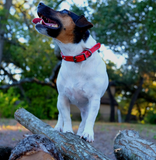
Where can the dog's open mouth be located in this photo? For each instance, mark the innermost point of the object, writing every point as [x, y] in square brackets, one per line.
[45, 21]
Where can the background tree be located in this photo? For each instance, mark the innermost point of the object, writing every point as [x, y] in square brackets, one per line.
[128, 28]
[27, 59]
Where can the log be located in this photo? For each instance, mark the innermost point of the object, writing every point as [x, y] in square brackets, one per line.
[129, 146]
[68, 144]
[36, 147]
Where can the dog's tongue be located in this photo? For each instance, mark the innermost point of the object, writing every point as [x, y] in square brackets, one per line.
[38, 20]
[41, 21]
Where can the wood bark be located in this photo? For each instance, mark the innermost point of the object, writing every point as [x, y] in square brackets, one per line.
[36, 147]
[68, 144]
[134, 98]
[129, 146]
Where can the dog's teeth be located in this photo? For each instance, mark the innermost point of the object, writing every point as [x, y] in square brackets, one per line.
[40, 22]
[54, 25]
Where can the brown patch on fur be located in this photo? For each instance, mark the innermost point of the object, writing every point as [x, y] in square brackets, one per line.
[66, 35]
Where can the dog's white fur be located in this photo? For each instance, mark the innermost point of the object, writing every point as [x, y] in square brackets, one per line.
[82, 84]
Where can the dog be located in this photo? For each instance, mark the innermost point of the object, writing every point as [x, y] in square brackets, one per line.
[82, 79]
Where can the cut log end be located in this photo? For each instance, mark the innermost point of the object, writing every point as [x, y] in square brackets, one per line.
[38, 156]
[128, 145]
[36, 147]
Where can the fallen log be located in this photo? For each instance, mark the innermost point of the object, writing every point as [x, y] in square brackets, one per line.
[129, 146]
[68, 144]
[35, 147]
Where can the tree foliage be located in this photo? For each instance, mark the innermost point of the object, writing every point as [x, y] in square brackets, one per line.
[10, 102]
[27, 54]
[128, 28]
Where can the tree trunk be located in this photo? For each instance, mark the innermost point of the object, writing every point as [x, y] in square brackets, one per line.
[35, 147]
[6, 6]
[139, 110]
[55, 72]
[68, 144]
[129, 146]
[1, 48]
[57, 51]
[112, 107]
[134, 98]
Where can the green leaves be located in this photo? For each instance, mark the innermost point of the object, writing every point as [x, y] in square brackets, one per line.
[31, 54]
[10, 102]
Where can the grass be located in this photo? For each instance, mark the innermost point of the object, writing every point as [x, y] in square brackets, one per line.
[145, 130]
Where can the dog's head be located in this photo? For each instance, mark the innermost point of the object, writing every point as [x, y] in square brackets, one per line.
[63, 25]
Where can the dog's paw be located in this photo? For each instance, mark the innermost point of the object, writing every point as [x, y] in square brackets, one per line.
[67, 130]
[88, 136]
[58, 128]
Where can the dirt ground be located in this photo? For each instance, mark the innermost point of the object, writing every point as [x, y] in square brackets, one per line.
[12, 132]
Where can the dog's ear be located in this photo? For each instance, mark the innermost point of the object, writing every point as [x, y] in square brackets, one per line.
[83, 23]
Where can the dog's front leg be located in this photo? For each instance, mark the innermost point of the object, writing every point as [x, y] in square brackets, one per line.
[63, 106]
[84, 115]
[94, 105]
[59, 125]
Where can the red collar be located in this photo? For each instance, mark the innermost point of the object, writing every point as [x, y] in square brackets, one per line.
[83, 55]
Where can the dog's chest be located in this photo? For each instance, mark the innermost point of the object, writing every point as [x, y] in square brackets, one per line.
[76, 93]
[74, 85]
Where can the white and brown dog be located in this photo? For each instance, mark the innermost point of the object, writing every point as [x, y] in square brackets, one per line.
[82, 78]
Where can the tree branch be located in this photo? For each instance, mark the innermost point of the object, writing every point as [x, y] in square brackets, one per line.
[28, 80]
[14, 81]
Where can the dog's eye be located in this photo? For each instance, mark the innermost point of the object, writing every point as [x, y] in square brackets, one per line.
[64, 11]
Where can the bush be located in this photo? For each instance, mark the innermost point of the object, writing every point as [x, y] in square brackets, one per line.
[39, 100]
[9, 103]
[151, 116]
[43, 101]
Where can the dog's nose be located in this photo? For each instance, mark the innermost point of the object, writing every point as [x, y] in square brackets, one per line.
[41, 4]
